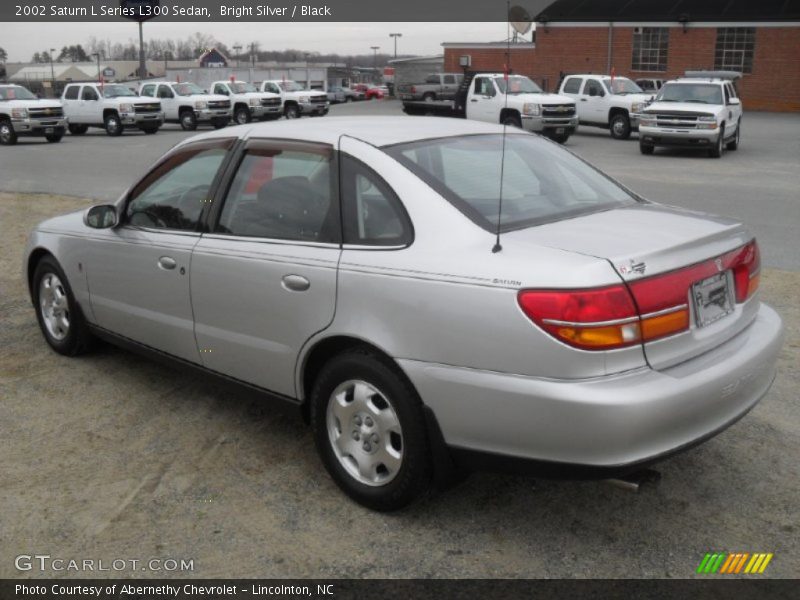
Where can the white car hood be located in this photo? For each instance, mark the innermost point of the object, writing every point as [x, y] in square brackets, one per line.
[633, 98]
[30, 104]
[683, 107]
[542, 98]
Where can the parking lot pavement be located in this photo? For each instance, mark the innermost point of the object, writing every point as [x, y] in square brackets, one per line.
[112, 456]
[758, 184]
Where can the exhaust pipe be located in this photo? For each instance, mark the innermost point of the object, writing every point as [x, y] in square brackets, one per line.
[633, 481]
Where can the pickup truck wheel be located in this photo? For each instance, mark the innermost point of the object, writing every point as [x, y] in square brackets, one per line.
[112, 124]
[646, 148]
[561, 139]
[291, 112]
[620, 127]
[219, 123]
[242, 116]
[188, 121]
[150, 130]
[59, 316]
[78, 129]
[429, 97]
[512, 121]
[8, 136]
[54, 138]
[716, 151]
[734, 143]
[369, 429]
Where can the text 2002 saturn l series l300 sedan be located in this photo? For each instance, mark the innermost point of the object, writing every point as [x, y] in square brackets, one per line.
[349, 267]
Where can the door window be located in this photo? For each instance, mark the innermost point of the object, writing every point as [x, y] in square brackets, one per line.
[283, 191]
[271, 87]
[484, 87]
[593, 88]
[572, 85]
[164, 92]
[89, 93]
[221, 89]
[173, 195]
[72, 92]
[148, 90]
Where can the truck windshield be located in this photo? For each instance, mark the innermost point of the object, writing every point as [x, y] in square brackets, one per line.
[622, 86]
[702, 93]
[116, 90]
[243, 88]
[15, 92]
[187, 89]
[517, 85]
[291, 86]
[541, 183]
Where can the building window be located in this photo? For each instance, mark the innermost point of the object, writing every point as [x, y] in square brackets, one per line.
[650, 49]
[735, 46]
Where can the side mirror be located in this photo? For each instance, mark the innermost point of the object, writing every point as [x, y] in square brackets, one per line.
[734, 102]
[102, 216]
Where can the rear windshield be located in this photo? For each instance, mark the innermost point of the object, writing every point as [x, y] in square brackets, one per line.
[541, 182]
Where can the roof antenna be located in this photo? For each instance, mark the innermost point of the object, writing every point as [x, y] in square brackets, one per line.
[518, 18]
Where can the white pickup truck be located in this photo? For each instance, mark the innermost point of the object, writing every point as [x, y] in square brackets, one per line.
[23, 114]
[613, 103]
[187, 104]
[247, 102]
[111, 106]
[297, 100]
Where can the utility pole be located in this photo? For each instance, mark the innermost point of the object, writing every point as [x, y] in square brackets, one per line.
[238, 49]
[99, 77]
[53, 72]
[395, 36]
[375, 62]
[142, 64]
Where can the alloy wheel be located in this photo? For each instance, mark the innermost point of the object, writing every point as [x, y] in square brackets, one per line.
[54, 306]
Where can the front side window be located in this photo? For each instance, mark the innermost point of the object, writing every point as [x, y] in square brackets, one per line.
[164, 91]
[89, 93]
[572, 85]
[540, 183]
[735, 49]
[650, 46]
[148, 90]
[173, 195]
[272, 88]
[282, 191]
[484, 87]
[592, 87]
[221, 89]
[72, 92]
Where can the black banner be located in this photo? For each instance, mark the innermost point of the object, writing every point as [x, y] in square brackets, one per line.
[267, 10]
[402, 589]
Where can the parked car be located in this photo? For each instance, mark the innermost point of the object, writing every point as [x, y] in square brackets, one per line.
[437, 86]
[372, 92]
[248, 102]
[112, 106]
[604, 101]
[297, 100]
[336, 95]
[372, 294]
[352, 95]
[186, 103]
[23, 114]
[650, 85]
[701, 110]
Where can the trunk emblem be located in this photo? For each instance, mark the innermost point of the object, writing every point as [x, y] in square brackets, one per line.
[718, 262]
[633, 267]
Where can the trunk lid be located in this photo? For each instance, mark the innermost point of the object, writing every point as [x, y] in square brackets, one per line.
[647, 240]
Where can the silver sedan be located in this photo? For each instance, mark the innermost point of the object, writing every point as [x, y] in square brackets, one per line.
[434, 295]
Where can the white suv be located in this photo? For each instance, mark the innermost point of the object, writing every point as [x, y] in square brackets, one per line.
[701, 110]
[604, 101]
[112, 106]
[187, 104]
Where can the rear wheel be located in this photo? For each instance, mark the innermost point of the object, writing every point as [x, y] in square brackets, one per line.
[370, 431]
[112, 124]
[78, 129]
[188, 120]
[242, 115]
[734, 143]
[620, 127]
[8, 136]
[60, 319]
[716, 151]
[646, 148]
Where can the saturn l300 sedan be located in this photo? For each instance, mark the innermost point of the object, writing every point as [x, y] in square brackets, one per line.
[431, 293]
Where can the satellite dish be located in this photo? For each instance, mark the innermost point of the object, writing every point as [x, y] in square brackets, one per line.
[520, 19]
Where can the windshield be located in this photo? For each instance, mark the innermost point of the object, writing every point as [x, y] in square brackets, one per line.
[115, 91]
[15, 92]
[187, 89]
[517, 85]
[243, 88]
[291, 86]
[540, 183]
[702, 93]
[622, 86]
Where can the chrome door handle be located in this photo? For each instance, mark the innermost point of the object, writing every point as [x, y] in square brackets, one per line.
[295, 283]
[166, 262]
[474, 100]
[583, 99]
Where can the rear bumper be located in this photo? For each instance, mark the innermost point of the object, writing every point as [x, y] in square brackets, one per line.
[663, 136]
[606, 423]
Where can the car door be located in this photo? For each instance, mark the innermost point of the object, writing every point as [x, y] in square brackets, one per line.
[263, 280]
[168, 101]
[481, 105]
[72, 103]
[138, 272]
[89, 110]
[591, 105]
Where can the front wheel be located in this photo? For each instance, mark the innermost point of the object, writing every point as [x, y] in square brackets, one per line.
[734, 143]
[150, 130]
[370, 432]
[646, 148]
[78, 129]
[112, 124]
[291, 112]
[8, 136]
[188, 121]
[219, 123]
[54, 138]
[620, 127]
[716, 151]
[242, 116]
[560, 138]
[59, 317]
[512, 121]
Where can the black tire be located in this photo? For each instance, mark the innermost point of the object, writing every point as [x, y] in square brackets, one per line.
[78, 339]
[78, 129]
[54, 138]
[290, 111]
[512, 121]
[219, 123]
[646, 148]
[150, 130]
[188, 120]
[716, 151]
[8, 137]
[413, 477]
[112, 124]
[242, 115]
[620, 126]
[560, 138]
[734, 143]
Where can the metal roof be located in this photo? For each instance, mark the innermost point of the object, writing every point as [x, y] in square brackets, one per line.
[670, 10]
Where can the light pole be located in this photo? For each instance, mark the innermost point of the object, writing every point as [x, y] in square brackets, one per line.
[238, 49]
[375, 61]
[53, 72]
[395, 36]
[97, 56]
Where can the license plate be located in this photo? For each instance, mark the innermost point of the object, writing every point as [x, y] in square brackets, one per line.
[49, 130]
[712, 299]
[559, 130]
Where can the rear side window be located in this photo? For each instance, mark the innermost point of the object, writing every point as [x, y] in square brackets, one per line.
[572, 85]
[71, 93]
[449, 79]
[148, 90]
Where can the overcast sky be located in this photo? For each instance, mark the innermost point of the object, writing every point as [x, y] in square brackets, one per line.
[21, 40]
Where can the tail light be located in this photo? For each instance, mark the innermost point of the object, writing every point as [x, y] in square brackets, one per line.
[642, 311]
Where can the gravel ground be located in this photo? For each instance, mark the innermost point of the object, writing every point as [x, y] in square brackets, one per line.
[111, 456]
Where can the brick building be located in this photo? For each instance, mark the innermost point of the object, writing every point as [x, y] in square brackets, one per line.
[651, 38]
